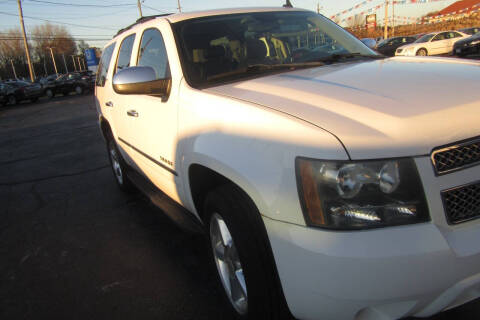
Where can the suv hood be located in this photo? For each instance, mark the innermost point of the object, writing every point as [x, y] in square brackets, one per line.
[384, 108]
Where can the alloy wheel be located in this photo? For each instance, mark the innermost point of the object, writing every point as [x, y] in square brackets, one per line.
[117, 169]
[228, 264]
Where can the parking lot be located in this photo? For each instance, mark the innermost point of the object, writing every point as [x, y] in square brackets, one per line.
[73, 246]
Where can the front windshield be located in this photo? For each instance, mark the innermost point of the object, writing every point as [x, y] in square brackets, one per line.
[211, 47]
[425, 38]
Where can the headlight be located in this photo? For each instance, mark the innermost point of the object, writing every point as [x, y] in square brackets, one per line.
[350, 195]
[473, 43]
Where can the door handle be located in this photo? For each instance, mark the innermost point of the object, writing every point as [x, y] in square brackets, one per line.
[132, 113]
[109, 104]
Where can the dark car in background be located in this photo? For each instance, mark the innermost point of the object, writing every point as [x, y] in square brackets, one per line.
[18, 91]
[470, 31]
[49, 85]
[468, 46]
[73, 82]
[389, 46]
[4, 89]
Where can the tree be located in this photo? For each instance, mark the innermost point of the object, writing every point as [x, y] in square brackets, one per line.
[82, 46]
[12, 51]
[48, 36]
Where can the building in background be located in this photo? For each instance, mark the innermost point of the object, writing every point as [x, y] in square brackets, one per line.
[457, 10]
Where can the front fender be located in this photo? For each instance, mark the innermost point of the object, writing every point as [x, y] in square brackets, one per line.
[253, 146]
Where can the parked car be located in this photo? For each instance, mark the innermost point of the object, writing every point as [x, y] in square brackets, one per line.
[470, 31]
[467, 46]
[22, 90]
[389, 46]
[4, 89]
[336, 184]
[73, 82]
[49, 84]
[432, 44]
[369, 42]
[419, 35]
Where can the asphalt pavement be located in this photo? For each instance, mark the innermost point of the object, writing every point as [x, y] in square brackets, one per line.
[73, 246]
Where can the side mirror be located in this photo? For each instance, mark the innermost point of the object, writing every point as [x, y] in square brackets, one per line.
[141, 80]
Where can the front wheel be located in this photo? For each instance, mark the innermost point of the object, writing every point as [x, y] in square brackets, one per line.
[422, 52]
[119, 167]
[242, 256]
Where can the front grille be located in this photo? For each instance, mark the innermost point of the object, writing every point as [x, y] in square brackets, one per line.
[456, 157]
[462, 203]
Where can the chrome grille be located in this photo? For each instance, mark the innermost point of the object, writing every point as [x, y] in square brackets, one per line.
[456, 157]
[462, 203]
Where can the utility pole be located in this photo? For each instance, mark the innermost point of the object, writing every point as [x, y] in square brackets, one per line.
[139, 5]
[73, 59]
[27, 51]
[13, 67]
[393, 21]
[318, 7]
[53, 58]
[65, 62]
[179, 6]
[385, 33]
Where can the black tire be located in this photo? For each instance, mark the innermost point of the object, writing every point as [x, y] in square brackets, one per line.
[265, 299]
[422, 52]
[11, 99]
[119, 167]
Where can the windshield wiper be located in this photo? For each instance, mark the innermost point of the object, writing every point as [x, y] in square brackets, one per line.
[260, 68]
[342, 56]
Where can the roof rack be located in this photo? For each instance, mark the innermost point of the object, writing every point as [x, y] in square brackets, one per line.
[141, 20]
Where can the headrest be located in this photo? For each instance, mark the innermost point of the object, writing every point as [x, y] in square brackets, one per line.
[256, 49]
[215, 52]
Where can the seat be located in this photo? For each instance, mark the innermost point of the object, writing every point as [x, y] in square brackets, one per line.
[256, 52]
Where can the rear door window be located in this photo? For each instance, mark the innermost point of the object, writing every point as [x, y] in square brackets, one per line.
[103, 66]
[125, 53]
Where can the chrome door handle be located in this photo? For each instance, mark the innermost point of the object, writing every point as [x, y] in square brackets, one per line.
[109, 104]
[132, 113]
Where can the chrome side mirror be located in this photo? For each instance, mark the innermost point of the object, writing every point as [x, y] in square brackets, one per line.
[141, 80]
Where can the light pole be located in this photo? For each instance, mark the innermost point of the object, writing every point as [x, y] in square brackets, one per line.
[13, 67]
[79, 66]
[73, 59]
[139, 5]
[53, 58]
[179, 6]
[65, 62]
[385, 33]
[25, 42]
[393, 21]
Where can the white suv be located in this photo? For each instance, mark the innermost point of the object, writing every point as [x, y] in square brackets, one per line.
[329, 183]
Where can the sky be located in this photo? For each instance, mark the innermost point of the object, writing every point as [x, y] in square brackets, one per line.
[96, 21]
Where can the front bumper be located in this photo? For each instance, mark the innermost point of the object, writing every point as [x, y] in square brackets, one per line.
[405, 53]
[466, 50]
[387, 273]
